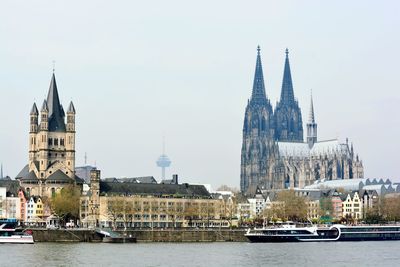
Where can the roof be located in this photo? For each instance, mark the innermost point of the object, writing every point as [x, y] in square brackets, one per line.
[126, 188]
[71, 108]
[56, 112]
[24, 172]
[300, 149]
[34, 110]
[346, 184]
[59, 176]
[354, 184]
[12, 186]
[143, 179]
[30, 177]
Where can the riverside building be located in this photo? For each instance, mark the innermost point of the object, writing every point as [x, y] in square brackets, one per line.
[128, 204]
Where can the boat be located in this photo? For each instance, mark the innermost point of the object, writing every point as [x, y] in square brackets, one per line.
[10, 233]
[338, 232]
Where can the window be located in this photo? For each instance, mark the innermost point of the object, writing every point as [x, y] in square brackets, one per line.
[50, 141]
[62, 141]
[56, 141]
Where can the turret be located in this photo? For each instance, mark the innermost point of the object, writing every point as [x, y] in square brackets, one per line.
[70, 139]
[44, 120]
[71, 118]
[34, 119]
[311, 127]
[33, 129]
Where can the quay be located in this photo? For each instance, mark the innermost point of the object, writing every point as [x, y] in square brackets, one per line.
[158, 235]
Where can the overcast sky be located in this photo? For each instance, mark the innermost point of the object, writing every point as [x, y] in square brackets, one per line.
[139, 70]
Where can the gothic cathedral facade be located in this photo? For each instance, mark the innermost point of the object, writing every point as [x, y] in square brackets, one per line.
[51, 164]
[274, 154]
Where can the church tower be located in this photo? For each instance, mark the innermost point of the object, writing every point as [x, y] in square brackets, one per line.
[288, 121]
[311, 127]
[258, 132]
[51, 163]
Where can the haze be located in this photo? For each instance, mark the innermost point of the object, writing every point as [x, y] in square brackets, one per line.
[141, 70]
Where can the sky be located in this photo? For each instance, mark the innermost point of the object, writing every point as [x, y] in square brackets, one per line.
[140, 70]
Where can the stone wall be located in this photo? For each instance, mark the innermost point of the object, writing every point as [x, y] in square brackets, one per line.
[64, 235]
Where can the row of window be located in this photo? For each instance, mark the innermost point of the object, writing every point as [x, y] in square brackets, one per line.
[55, 142]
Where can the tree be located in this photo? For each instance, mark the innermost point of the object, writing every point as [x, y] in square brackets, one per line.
[120, 208]
[65, 203]
[391, 208]
[293, 208]
[326, 208]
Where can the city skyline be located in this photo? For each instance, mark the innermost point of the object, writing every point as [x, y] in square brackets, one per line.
[194, 92]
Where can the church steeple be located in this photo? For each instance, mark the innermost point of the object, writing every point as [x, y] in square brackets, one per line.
[311, 117]
[311, 126]
[287, 95]
[258, 94]
[56, 112]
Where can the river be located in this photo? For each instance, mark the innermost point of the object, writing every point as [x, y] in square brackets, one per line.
[384, 253]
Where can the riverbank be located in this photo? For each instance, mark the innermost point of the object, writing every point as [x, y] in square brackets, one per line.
[169, 235]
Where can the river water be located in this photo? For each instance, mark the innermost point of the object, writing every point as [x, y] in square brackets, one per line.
[384, 253]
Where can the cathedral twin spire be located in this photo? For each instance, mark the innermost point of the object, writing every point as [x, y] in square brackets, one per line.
[288, 125]
[258, 94]
[287, 95]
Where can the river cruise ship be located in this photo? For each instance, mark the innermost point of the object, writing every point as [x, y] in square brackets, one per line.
[9, 233]
[291, 233]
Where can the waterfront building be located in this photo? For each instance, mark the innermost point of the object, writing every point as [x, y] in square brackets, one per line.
[51, 164]
[313, 209]
[36, 211]
[22, 205]
[274, 153]
[13, 210]
[244, 211]
[257, 204]
[3, 202]
[337, 206]
[139, 205]
[352, 206]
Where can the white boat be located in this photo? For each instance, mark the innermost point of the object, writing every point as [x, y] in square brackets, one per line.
[291, 233]
[9, 233]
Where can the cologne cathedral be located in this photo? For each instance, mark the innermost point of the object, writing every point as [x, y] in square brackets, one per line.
[274, 152]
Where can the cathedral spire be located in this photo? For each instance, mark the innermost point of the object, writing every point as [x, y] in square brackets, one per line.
[287, 95]
[56, 112]
[311, 117]
[258, 94]
[311, 126]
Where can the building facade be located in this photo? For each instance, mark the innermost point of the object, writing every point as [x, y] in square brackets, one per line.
[126, 204]
[274, 153]
[51, 163]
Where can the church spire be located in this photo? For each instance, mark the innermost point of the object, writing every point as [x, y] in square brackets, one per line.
[287, 95]
[258, 94]
[311, 126]
[56, 112]
[311, 117]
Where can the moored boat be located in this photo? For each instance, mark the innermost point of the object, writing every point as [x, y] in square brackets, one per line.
[291, 233]
[10, 233]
